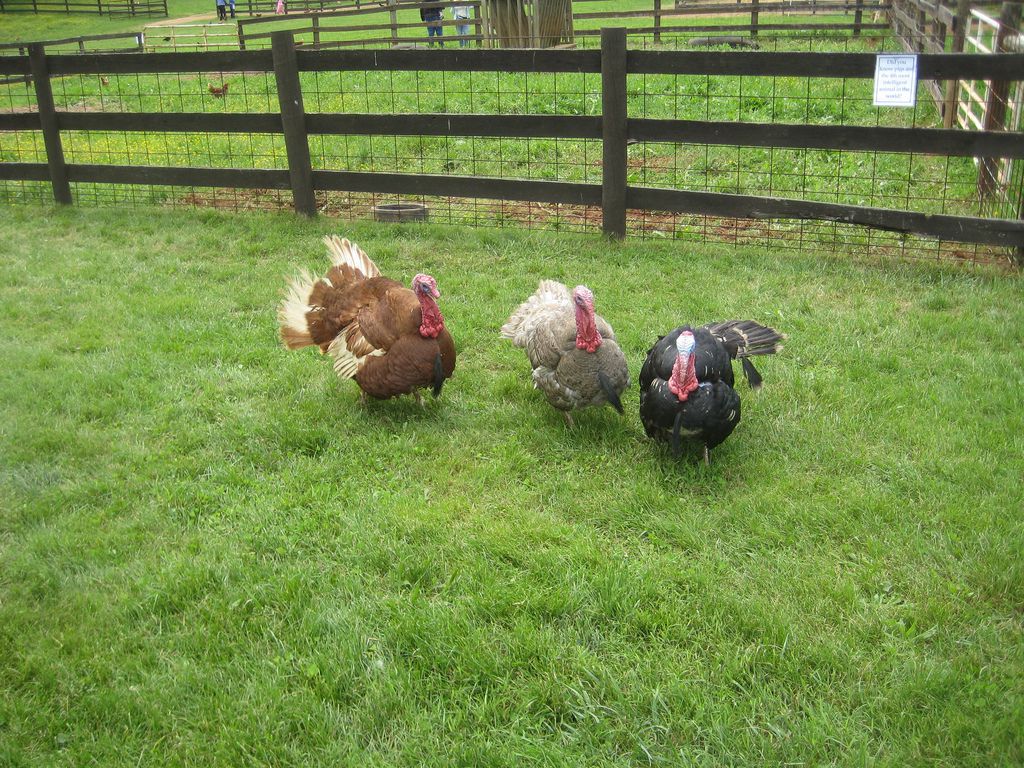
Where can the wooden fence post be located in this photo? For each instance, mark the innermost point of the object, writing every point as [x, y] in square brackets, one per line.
[858, 17]
[754, 13]
[613, 131]
[657, 22]
[949, 105]
[293, 121]
[998, 94]
[49, 125]
[394, 22]
[241, 36]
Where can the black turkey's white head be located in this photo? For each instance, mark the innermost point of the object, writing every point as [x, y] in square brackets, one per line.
[684, 374]
[685, 343]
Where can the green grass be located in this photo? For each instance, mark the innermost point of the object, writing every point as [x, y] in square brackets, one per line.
[211, 554]
[18, 27]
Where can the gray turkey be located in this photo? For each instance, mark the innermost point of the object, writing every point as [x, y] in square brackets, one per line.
[576, 360]
[686, 382]
[390, 339]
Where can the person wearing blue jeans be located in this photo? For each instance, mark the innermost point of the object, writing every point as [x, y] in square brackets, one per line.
[433, 15]
[461, 14]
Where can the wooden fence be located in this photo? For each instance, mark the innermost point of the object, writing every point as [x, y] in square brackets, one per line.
[308, 28]
[84, 43]
[614, 195]
[100, 7]
[269, 7]
[662, 10]
[378, 22]
[930, 27]
[190, 37]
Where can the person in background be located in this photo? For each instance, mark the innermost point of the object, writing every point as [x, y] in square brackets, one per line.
[231, 3]
[461, 14]
[222, 10]
[433, 14]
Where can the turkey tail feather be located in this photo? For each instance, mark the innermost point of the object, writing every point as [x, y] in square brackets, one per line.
[344, 252]
[751, 338]
[609, 391]
[438, 375]
[291, 314]
[753, 377]
[550, 297]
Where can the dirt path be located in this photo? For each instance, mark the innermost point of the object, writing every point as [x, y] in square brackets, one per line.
[184, 20]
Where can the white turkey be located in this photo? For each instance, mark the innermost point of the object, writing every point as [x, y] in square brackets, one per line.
[576, 361]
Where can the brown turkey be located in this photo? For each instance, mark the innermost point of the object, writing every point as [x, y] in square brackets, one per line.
[390, 339]
[576, 360]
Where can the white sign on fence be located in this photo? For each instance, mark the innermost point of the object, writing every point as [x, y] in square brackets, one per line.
[895, 81]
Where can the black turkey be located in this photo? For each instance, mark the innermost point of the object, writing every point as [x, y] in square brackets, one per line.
[686, 382]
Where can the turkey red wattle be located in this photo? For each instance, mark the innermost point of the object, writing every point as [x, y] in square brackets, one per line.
[431, 321]
[587, 337]
[684, 371]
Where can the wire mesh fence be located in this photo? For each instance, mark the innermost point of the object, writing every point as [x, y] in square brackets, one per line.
[916, 181]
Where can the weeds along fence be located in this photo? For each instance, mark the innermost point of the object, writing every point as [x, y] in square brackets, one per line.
[99, 7]
[776, 149]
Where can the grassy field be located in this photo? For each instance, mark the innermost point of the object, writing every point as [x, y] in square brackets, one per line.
[19, 27]
[211, 554]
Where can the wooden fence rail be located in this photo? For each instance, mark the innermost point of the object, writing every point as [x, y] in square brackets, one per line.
[82, 41]
[613, 127]
[99, 7]
[754, 8]
[312, 23]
